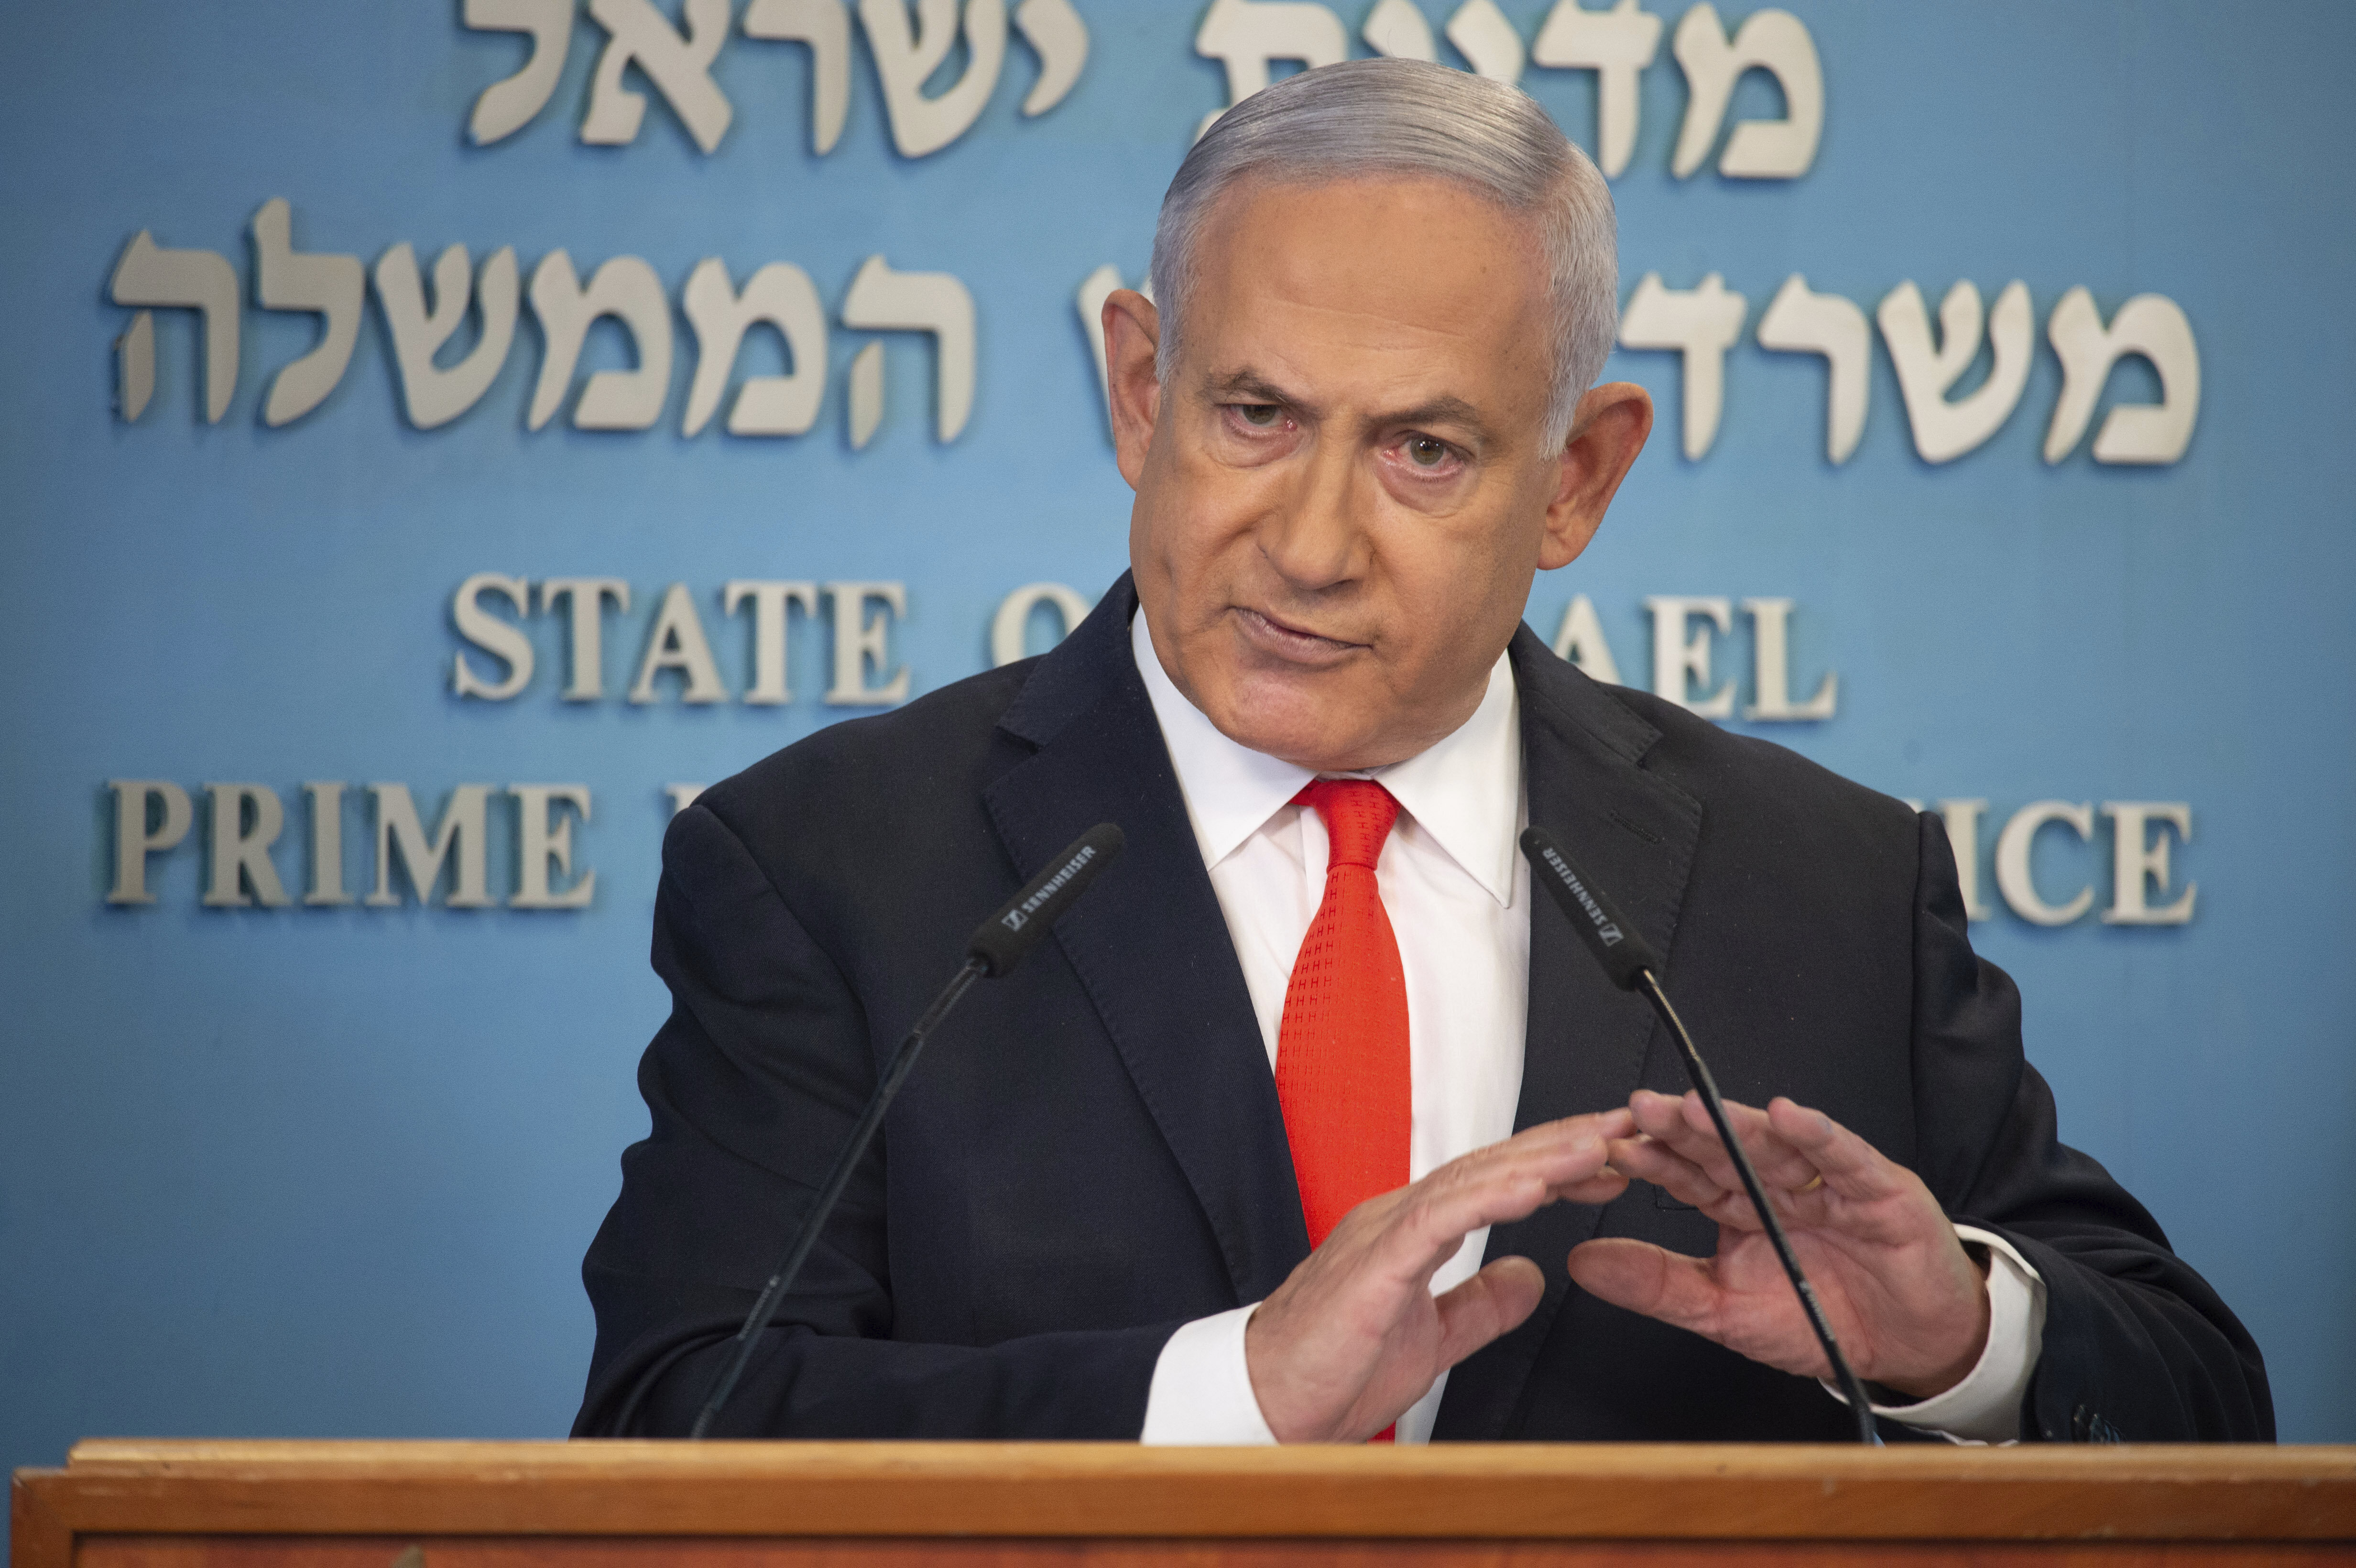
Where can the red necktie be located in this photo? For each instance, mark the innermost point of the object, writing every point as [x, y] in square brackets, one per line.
[1342, 1051]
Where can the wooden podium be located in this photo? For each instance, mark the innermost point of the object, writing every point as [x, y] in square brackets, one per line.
[754, 1505]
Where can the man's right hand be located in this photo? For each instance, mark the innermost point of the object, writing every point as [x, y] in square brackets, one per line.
[1343, 1347]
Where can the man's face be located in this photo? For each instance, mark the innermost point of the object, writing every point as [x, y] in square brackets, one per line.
[1344, 492]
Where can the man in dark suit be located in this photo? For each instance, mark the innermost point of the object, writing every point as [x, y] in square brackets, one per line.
[1310, 1122]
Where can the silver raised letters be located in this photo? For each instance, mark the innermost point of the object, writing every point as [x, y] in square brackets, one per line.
[861, 642]
[627, 288]
[677, 642]
[882, 300]
[457, 841]
[508, 106]
[135, 801]
[769, 601]
[588, 596]
[1680, 659]
[239, 851]
[780, 296]
[2139, 861]
[153, 278]
[333, 287]
[1616, 45]
[544, 840]
[680, 68]
[434, 396]
[501, 639]
[2014, 878]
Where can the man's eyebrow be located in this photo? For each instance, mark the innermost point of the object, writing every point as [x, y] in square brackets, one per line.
[1447, 410]
[1246, 386]
[1249, 386]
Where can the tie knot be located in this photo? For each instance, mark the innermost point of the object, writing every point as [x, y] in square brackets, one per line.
[1358, 815]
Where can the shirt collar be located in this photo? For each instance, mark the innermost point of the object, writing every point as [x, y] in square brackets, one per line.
[1464, 791]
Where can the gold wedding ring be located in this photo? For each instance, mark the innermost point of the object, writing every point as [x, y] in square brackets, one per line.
[1812, 1186]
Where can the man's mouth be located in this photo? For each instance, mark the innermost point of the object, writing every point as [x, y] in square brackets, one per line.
[1287, 641]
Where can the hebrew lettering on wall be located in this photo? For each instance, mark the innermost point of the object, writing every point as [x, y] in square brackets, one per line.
[335, 287]
[1396, 30]
[1249, 35]
[1060, 40]
[882, 300]
[1486, 40]
[824, 25]
[1616, 45]
[435, 395]
[1759, 149]
[1701, 324]
[1800, 322]
[780, 295]
[627, 288]
[2149, 326]
[678, 66]
[510, 104]
[904, 60]
[643, 49]
[153, 279]
[1945, 431]
[1618, 42]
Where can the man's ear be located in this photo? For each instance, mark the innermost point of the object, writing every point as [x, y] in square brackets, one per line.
[1606, 433]
[1132, 333]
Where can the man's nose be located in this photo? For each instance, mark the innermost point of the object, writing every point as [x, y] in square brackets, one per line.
[1315, 537]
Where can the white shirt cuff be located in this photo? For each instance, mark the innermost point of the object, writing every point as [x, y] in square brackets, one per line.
[1985, 1406]
[1202, 1390]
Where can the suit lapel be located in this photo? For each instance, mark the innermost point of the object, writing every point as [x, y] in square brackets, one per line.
[1149, 942]
[1584, 1050]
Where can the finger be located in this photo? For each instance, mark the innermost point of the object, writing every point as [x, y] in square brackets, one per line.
[1461, 1193]
[1505, 1181]
[1650, 1160]
[1668, 1120]
[1692, 1132]
[1650, 1280]
[1851, 1167]
[1601, 1187]
[1658, 1115]
[1496, 1301]
[1615, 1122]
[1727, 1203]
[1493, 1186]
[1779, 1162]
[1704, 1169]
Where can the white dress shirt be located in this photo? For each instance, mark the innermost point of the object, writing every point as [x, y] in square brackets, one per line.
[1458, 895]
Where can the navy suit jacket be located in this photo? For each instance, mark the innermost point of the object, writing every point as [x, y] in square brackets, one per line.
[1091, 1153]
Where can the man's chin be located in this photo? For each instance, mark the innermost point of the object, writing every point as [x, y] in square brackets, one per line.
[1292, 727]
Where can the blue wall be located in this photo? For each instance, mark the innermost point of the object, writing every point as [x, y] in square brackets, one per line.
[329, 1171]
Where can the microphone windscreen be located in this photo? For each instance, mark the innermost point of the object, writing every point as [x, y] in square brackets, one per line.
[1616, 942]
[1005, 937]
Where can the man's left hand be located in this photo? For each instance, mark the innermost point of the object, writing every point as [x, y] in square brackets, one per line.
[1907, 1305]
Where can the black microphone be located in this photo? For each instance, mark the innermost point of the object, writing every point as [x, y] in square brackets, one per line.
[999, 943]
[1632, 965]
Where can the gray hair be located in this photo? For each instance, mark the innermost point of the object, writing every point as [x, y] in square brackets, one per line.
[1377, 117]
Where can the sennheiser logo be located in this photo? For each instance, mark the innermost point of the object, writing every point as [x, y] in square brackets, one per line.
[1020, 916]
[1610, 935]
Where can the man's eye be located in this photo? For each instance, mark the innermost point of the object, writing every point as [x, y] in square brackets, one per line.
[1259, 416]
[1425, 452]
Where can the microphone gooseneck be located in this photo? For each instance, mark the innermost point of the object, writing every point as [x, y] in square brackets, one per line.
[1632, 965]
[998, 945]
